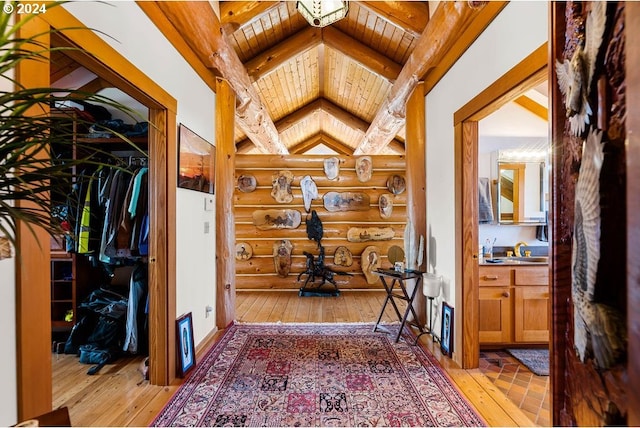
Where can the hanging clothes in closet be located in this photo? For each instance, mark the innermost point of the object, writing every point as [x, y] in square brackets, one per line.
[111, 228]
[111, 218]
[126, 207]
[134, 341]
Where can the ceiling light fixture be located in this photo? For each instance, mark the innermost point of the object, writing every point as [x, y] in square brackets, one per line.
[320, 13]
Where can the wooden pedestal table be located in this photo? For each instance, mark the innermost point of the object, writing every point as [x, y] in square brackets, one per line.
[397, 289]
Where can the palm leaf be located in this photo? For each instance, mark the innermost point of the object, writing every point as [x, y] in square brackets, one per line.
[39, 154]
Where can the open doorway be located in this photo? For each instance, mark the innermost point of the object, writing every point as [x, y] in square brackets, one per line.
[34, 391]
[495, 291]
[513, 202]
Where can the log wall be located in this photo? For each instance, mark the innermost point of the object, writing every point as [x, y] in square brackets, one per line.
[258, 272]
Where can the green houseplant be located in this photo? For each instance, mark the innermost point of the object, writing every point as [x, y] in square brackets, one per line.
[38, 151]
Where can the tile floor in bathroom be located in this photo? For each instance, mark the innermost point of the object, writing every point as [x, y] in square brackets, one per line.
[528, 391]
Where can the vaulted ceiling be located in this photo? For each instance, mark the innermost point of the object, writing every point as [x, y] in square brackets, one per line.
[343, 87]
[325, 85]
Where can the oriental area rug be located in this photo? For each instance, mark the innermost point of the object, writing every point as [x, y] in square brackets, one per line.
[314, 375]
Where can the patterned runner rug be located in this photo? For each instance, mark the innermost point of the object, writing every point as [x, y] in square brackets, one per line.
[317, 375]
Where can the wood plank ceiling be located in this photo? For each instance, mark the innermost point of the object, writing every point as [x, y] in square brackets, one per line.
[324, 85]
[343, 86]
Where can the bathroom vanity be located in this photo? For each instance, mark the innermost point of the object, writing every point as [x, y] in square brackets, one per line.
[514, 303]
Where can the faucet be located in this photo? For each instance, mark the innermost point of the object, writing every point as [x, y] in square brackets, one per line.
[516, 248]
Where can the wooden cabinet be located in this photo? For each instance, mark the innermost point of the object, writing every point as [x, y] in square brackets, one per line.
[514, 304]
[531, 304]
[71, 277]
[495, 314]
[63, 292]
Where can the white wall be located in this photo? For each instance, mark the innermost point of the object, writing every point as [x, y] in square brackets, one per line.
[519, 29]
[134, 36]
[8, 396]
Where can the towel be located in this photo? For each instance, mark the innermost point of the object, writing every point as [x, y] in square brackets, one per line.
[542, 231]
[485, 208]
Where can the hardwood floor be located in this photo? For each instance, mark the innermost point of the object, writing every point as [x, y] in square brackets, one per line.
[118, 396]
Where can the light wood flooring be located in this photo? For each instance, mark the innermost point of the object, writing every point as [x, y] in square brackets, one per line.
[117, 395]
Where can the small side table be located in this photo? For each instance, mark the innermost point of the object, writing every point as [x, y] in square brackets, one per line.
[397, 289]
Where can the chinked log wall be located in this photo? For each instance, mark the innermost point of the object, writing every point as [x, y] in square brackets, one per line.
[258, 272]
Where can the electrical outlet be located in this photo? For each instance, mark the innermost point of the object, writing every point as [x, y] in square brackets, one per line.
[207, 310]
[206, 227]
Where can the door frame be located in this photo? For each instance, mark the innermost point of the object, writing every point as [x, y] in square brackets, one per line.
[530, 72]
[106, 62]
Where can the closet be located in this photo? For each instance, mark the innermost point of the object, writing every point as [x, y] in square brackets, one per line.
[99, 265]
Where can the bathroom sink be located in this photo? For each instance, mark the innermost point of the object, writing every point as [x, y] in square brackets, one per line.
[533, 259]
[519, 260]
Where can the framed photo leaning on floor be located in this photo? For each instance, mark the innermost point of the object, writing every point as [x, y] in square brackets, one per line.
[184, 344]
[446, 332]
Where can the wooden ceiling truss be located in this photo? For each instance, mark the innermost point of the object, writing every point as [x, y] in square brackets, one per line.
[287, 75]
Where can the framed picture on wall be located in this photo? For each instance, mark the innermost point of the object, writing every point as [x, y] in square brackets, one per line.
[196, 162]
[184, 344]
[446, 332]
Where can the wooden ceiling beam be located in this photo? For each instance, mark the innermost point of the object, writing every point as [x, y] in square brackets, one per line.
[441, 32]
[536, 108]
[236, 14]
[299, 115]
[340, 114]
[269, 60]
[306, 145]
[245, 146]
[336, 112]
[199, 26]
[361, 53]
[316, 140]
[167, 28]
[409, 16]
[397, 146]
[310, 37]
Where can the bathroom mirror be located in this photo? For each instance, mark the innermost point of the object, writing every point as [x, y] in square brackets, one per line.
[522, 187]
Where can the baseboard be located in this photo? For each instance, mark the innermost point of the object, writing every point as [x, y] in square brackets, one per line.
[206, 343]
